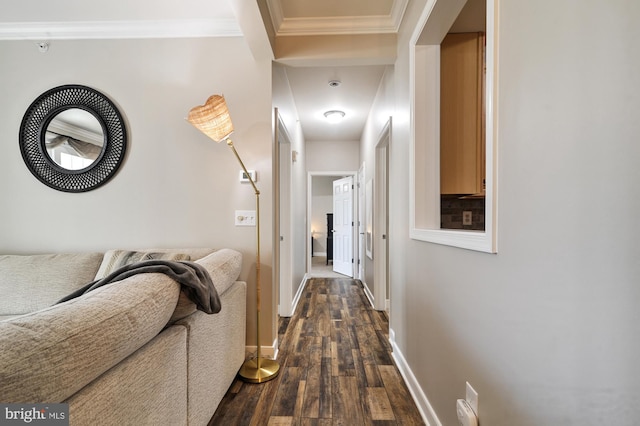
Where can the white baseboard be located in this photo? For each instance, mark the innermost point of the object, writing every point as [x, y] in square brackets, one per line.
[298, 295]
[368, 293]
[426, 410]
[296, 299]
[265, 351]
[320, 254]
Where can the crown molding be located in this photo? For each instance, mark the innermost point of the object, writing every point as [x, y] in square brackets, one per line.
[336, 25]
[119, 29]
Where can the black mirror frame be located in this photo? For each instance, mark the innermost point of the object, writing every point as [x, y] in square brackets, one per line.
[32, 138]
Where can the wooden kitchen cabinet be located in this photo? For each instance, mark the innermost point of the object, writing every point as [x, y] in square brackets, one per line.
[462, 144]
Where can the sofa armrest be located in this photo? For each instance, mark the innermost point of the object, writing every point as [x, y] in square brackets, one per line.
[224, 267]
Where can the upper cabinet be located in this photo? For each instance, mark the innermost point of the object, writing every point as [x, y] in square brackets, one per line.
[462, 144]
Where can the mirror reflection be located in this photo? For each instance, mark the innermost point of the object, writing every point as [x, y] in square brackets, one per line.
[74, 139]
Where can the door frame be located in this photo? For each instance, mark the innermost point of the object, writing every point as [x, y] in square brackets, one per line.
[360, 228]
[283, 236]
[381, 237]
[338, 174]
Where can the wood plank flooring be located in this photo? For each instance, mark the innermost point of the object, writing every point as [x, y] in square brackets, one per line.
[335, 368]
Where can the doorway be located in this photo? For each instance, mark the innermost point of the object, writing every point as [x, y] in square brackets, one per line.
[381, 281]
[320, 210]
[283, 230]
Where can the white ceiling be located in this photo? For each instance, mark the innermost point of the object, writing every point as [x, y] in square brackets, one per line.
[43, 20]
[312, 17]
[359, 83]
[314, 96]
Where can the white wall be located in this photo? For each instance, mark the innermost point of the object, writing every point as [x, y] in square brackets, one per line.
[333, 156]
[176, 188]
[382, 111]
[546, 330]
[283, 100]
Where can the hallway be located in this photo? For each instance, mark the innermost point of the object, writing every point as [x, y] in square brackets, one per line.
[336, 368]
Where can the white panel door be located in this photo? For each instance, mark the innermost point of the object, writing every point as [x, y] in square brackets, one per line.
[343, 226]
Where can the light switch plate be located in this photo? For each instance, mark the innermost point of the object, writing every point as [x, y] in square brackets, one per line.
[245, 218]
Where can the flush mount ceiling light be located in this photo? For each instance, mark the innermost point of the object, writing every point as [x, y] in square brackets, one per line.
[334, 116]
[334, 83]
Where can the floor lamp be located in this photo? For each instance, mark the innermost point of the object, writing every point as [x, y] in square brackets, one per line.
[213, 120]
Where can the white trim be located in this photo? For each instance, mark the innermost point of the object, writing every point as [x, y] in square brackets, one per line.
[380, 217]
[424, 406]
[471, 240]
[298, 294]
[284, 216]
[265, 351]
[360, 252]
[119, 29]
[368, 293]
[424, 180]
[336, 25]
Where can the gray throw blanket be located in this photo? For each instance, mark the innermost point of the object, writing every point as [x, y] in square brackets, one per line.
[193, 277]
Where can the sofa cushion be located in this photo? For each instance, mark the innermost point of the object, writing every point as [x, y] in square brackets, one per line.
[114, 259]
[49, 355]
[30, 283]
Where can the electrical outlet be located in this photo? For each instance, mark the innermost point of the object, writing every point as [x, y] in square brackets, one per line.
[245, 218]
[467, 217]
[472, 398]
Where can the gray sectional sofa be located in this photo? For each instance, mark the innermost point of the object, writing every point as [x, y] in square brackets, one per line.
[135, 352]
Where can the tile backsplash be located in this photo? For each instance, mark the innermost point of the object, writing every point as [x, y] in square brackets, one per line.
[451, 208]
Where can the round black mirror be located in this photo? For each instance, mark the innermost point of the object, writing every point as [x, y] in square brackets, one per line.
[73, 138]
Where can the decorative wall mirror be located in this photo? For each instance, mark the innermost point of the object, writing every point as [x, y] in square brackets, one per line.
[73, 138]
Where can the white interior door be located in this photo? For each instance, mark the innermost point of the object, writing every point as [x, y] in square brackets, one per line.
[343, 226]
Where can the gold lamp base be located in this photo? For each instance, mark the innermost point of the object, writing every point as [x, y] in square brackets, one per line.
[258, 370]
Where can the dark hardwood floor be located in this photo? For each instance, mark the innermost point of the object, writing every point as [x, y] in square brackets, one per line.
[335, 368]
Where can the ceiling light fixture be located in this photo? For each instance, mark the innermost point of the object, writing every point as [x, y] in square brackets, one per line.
[334, 116]
[334, 83]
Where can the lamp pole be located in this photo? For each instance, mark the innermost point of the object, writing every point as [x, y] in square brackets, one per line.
[259, 369]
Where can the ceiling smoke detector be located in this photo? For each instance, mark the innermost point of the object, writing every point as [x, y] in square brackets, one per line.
[334, 83]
